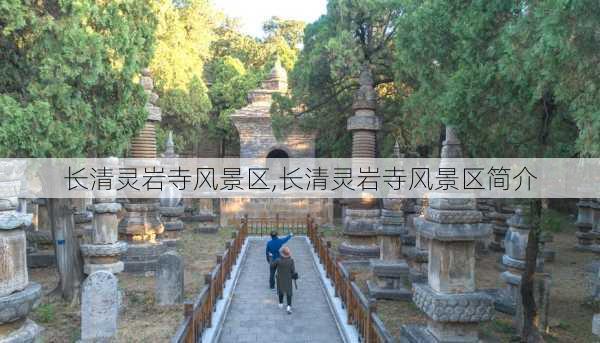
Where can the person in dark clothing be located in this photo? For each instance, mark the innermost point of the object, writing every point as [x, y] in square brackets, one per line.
[285, 274]
[272, 252]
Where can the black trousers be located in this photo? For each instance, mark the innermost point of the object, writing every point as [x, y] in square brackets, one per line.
[288, 298]
[272, 270]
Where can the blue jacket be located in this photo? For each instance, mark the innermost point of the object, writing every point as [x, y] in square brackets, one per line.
[274, 245]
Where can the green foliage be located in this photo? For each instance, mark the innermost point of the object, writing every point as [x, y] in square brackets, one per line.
[45, 313]
[232, 42]
[324, 78]
[183, 37]
[503, 73]
[554, 221]
[230, 86]
[184, 34]
[239, 63]
[67, 76]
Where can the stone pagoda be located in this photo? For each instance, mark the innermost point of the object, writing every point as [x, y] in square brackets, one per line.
[450, 298]
[141, 225]
[40, 245]
[390, 270]
[362, 217]
[499, 216]
[104, 250]
[18, 296]
[509, 299]
[171, 205]
[585, 222]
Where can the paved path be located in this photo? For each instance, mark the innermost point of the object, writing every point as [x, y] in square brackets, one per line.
[254, 316]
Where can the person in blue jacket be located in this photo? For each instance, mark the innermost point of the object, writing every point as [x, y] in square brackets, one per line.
[273, 247]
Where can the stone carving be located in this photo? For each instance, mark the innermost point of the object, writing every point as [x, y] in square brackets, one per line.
[362, 218]
[104, 250]
[450, 298]
[99, 307]
[169, 279]
[18, 296]
[465, 307]
[171, 205]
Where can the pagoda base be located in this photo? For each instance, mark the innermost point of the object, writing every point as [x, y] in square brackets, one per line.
[391, 280]
[351, 251]
[378, 292]
[143, 257]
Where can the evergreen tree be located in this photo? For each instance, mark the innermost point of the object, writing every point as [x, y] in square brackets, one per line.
[68, 89]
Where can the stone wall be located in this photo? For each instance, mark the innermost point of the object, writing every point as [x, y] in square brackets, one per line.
[257, 140]
[232, 210]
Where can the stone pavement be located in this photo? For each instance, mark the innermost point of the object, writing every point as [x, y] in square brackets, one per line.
[253, 315]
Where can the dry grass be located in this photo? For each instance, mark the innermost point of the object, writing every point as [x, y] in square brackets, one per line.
[141, 320]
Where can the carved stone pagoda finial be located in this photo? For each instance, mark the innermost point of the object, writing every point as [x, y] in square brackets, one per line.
[365, 97]
[170, 147]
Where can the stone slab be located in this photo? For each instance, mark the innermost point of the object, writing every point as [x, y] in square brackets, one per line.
[169, 279]
[113, 268]
[359, 251]
[15, 220]
[416, 334]
[396, 269]
[27, 333]
[114, 249]
[388, 293]
[99, 307]
[18, 304]
[207, 229]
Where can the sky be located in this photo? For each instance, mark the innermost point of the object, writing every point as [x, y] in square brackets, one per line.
[253, 13]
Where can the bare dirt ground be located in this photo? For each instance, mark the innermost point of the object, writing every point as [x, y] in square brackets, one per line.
[141, 320]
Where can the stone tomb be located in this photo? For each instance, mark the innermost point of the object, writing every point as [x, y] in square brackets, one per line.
[169, 279]
[99, 307]
[18, 296]
[508, 300]
[450, 298]
[40, 246]
[104, 250]
[362, 217]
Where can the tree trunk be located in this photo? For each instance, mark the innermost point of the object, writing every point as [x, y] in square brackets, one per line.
[69, 262]
[530, 333]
